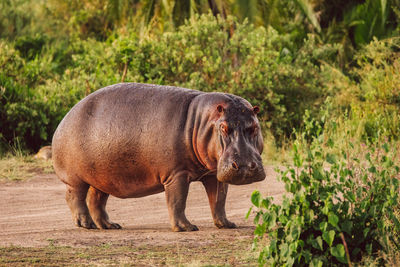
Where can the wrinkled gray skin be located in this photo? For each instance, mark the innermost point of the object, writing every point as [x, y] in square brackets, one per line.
[133, 140]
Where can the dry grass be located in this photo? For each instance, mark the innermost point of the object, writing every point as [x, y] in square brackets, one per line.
[214, 254]
[21, 167]
[274, 155]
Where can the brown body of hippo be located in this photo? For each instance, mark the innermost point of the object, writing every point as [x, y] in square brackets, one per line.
[133, 140]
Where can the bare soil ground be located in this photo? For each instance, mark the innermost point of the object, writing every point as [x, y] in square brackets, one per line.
[34, 215]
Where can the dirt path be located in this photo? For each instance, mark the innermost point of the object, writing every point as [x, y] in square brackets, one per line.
[34, 214]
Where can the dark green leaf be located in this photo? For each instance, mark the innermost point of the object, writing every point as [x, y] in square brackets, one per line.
[347, 226]
[265, 203]
[248, 213]
[272, 221]
[260, 229]
[330, 158]
[366, 231]
[317, 243]
[386, 147]
[339, 253]
[316, 263]
[323, 226]
[333, 219]
[255, 198]
[307, 255]
[368, 247]
[329, 237]
[330, 143]
[284, 248]
[372, 169]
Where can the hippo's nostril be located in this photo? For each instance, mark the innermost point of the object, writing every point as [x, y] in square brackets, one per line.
[235, 166]
[252, 165]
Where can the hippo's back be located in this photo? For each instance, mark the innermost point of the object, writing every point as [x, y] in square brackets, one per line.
[114, 138]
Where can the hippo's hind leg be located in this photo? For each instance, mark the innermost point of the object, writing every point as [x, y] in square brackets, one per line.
[76, 199]
[176, 191]
[96, 201]
[216, 192]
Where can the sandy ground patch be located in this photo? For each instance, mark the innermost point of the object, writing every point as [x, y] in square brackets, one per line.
[34, 213]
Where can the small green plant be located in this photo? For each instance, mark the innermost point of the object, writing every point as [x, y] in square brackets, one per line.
[339, 207]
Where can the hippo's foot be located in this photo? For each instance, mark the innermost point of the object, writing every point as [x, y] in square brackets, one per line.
[96, 201]
[85, 221]
[221, 224]
[106, 224]
[76, 196]
[188, 227]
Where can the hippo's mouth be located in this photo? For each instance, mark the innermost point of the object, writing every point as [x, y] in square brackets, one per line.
[241, 176]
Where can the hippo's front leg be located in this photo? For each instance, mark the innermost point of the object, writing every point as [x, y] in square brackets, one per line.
[216, 192]
[176, 192]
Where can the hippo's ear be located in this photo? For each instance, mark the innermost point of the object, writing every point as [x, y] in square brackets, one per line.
[220, 108]
[256, 109]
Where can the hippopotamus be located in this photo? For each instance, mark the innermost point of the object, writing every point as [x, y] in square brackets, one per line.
[132, 140]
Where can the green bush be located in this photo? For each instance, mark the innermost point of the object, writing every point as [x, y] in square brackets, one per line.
[223, 55]
[47, 77]
[366, 102]
[30, 104]
[206, 53]
[339, 207]
[21, 116]
[29, 47]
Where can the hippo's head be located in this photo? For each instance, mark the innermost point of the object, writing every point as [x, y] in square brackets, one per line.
[233, 140]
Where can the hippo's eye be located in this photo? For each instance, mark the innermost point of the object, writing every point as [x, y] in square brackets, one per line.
[224, 128]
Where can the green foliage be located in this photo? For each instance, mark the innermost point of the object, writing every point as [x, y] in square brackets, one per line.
[53, 53]
[338, 208]
[256, 63]
[15, 17]
[370, 19]
[29, 47]
[366, 104]
[30, 105]
[350, 23]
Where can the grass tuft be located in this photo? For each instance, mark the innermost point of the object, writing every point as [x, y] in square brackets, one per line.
[21, 167]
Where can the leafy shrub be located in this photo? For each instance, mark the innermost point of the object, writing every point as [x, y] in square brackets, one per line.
[369, 96]
[21, 115]
[223, 55]
[28, 114]
[29, 47]
[206, 53]
[339, 208]
[14, 17]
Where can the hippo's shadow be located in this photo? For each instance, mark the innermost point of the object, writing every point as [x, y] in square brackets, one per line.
[165, 228]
